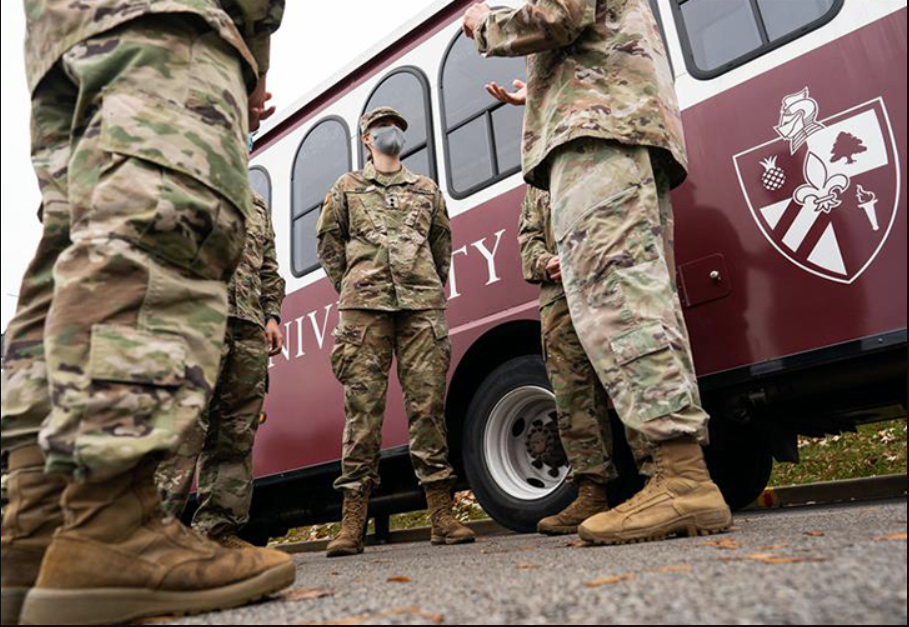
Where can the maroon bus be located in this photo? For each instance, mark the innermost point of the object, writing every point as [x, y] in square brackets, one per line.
[791, 251]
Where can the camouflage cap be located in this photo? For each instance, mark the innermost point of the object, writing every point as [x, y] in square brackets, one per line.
[382, 113]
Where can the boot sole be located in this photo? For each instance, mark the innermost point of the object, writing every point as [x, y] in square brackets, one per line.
[117, 606]
[449, 542]
[11, 602]
[344, 553]
[693, 526]
[557, 531]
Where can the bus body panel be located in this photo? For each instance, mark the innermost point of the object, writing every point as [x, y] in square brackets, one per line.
[776, 308]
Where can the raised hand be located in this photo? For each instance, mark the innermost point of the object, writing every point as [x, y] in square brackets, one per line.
[517, 98]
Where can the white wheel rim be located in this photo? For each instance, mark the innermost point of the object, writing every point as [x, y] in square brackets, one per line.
[521, 415]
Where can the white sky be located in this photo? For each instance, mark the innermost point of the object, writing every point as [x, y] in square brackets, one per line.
[312, 45]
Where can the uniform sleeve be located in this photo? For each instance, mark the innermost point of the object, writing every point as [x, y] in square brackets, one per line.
[257, 21]
[538, 26]
[273, 285]
[333, 233]
[535, 256]
[440, 238]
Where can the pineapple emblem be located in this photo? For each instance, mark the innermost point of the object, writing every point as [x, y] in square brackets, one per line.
[774, 178]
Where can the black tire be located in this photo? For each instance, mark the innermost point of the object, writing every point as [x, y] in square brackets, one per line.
[741, 469]
[516, 514]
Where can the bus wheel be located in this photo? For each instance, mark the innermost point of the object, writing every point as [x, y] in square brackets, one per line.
[512, 452]
[742, 471]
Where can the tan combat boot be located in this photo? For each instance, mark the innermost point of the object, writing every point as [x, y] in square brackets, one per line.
[351, 541]
[119, 558]
[33, 515]
[590, 502]
[445, 528]
[680, 499]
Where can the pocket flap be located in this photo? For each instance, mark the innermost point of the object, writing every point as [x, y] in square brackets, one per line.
[128, 355]
[349, 334]
[642, 341]
[210, 150]
[440, 328]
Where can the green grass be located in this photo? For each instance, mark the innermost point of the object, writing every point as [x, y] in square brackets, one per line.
[874, 450]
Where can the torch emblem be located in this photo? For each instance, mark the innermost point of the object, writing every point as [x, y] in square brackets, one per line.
[868, 203]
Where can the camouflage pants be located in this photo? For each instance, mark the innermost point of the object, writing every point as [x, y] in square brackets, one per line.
[138, 139]
[365, 344]
[221, 444]
[613, 222]
[581, 401]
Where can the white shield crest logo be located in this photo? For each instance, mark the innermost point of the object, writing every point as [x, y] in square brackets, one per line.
[825, 192]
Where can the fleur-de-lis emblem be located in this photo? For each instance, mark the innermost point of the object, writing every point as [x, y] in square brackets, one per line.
[822, 192]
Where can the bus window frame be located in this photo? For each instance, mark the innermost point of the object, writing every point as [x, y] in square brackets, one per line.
[409, 151]
[767, 46]
[487, 112]
[293, 197]
[271, 185]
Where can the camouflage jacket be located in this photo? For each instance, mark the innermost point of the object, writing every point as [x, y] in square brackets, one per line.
[55, 26]
[257, 290]
[538, 245]
[385, 241]
[595, 68]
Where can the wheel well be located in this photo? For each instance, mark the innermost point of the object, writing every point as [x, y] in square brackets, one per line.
[498, 346]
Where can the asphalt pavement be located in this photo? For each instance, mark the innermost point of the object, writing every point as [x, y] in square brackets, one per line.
[815, 565]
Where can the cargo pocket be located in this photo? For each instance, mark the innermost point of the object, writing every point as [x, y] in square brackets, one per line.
[137, 357]
[653, 373]
[348, 342]
[443, 341]
[180, 182]
[366, 222]
[419, 216]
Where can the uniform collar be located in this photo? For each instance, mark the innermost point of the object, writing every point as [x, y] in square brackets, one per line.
[404, 177]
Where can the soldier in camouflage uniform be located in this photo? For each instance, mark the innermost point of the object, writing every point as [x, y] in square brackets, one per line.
[140, 114]
[221, 444]
[581, 401]
[385, 243]
[603, 134]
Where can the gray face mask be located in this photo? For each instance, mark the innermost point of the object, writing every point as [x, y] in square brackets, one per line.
[389, 140]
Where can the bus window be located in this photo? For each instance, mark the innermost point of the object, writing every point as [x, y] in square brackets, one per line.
[720, 35]
[324, 155]
[482, 136]
[261, 183]
[407, 90]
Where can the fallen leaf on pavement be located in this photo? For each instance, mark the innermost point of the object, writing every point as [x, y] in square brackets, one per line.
[668, 570]
[310, 594]
[610, 581]
[775, 560]
[816, 534]
[893, 537]
[400, 580]
[775, 547]
[723, 545]
[370, 619]
[527, 567]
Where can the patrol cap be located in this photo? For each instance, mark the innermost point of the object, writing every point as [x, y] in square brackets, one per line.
[382, 113]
